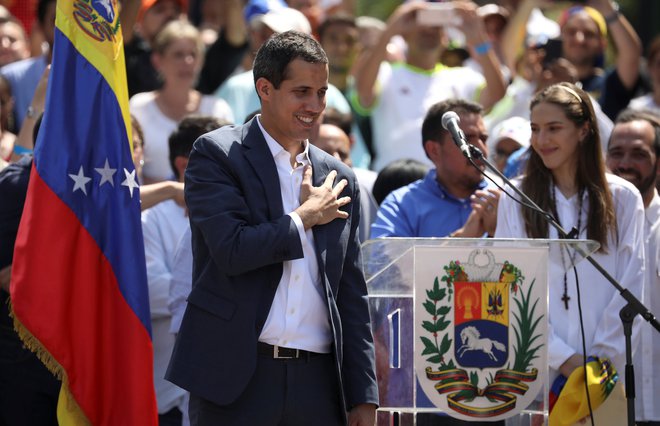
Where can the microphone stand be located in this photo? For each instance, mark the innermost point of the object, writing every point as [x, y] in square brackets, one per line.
[627, 313]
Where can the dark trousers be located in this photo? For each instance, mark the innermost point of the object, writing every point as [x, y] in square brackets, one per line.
[282, 392]
[174, 417]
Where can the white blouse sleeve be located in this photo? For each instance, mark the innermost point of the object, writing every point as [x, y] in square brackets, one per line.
[629, 272]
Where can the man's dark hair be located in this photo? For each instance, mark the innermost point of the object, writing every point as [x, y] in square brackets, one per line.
[628, 115]
[342, 120]
[274, 56]
[432, 125]
[336, 19]
[189, 129]
[397, 174]
[42, 7]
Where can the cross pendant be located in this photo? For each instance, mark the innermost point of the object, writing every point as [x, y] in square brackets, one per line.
[565, 298]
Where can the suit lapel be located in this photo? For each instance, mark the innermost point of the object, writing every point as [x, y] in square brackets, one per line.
[261, 159]
[320, 170]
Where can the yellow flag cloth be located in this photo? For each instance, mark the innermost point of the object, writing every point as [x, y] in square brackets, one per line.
[571, 405]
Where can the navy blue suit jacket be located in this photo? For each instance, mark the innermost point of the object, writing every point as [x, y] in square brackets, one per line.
[240, 237]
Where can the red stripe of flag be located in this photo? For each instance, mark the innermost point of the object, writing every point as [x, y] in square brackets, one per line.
[106, 350]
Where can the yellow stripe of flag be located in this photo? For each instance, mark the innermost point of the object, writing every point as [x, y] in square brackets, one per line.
[74, 17]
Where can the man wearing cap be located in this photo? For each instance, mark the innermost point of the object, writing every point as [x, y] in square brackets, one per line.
[507, 137]
[239, 91]
[396, 96]
[584, 32]
[633, 153]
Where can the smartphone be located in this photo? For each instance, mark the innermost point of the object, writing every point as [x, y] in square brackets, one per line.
[553, 51]
[439, 15]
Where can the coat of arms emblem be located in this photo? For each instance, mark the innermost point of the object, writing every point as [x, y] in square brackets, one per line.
[97, 18]
[482, 328]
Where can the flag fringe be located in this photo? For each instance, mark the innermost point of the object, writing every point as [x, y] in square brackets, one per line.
[68, 410]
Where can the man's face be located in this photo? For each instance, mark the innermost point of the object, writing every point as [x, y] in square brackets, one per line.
[503, 150]
[155, 18]
[293, 110]
[631, 155]
[494, 25]
[340, 42]
[581, 39]
[452, 167]
[335, 142]
[424, 38]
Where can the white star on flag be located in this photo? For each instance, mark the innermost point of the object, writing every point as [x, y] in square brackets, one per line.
[130, 181]
[80, 180]
[106, 173]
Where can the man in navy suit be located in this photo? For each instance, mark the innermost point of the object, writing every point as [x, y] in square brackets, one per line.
[277, 328]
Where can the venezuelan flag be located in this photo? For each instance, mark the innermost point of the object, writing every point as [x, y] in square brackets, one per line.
[79, 288]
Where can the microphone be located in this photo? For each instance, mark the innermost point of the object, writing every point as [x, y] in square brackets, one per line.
[450, 122]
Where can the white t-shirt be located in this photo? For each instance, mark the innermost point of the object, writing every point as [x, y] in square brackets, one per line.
[157, 129]
[405, 95]
[601, 302]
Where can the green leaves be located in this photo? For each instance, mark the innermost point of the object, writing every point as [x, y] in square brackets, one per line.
[443, 310]
[526, 331]
[436, 359]
[429, 346]
[474, 378]
[437, 294]
[446, 344]
[437, 324]
[430, 307]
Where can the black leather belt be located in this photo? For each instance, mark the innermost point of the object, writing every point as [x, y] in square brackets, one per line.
[279, 352]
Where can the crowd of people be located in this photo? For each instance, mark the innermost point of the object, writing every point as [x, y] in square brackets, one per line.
[534, 84]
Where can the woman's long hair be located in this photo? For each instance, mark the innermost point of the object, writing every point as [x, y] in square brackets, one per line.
[590, 173]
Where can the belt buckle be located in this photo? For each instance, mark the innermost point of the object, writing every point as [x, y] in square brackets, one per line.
[276, 353]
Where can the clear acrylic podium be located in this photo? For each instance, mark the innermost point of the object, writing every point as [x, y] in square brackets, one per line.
[408, 282]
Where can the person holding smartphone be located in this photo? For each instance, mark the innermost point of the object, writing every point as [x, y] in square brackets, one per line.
[397, 95]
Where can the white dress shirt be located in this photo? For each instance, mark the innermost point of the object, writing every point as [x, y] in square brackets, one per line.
[299, 316]
[601, 302]
[647, 357]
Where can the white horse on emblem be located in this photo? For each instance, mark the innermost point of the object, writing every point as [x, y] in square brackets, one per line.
[471, 341]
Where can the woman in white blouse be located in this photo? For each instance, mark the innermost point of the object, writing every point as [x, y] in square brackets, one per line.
[566, 176]
[177, 55]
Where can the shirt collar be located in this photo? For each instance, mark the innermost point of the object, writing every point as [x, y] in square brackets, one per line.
[276, 149]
